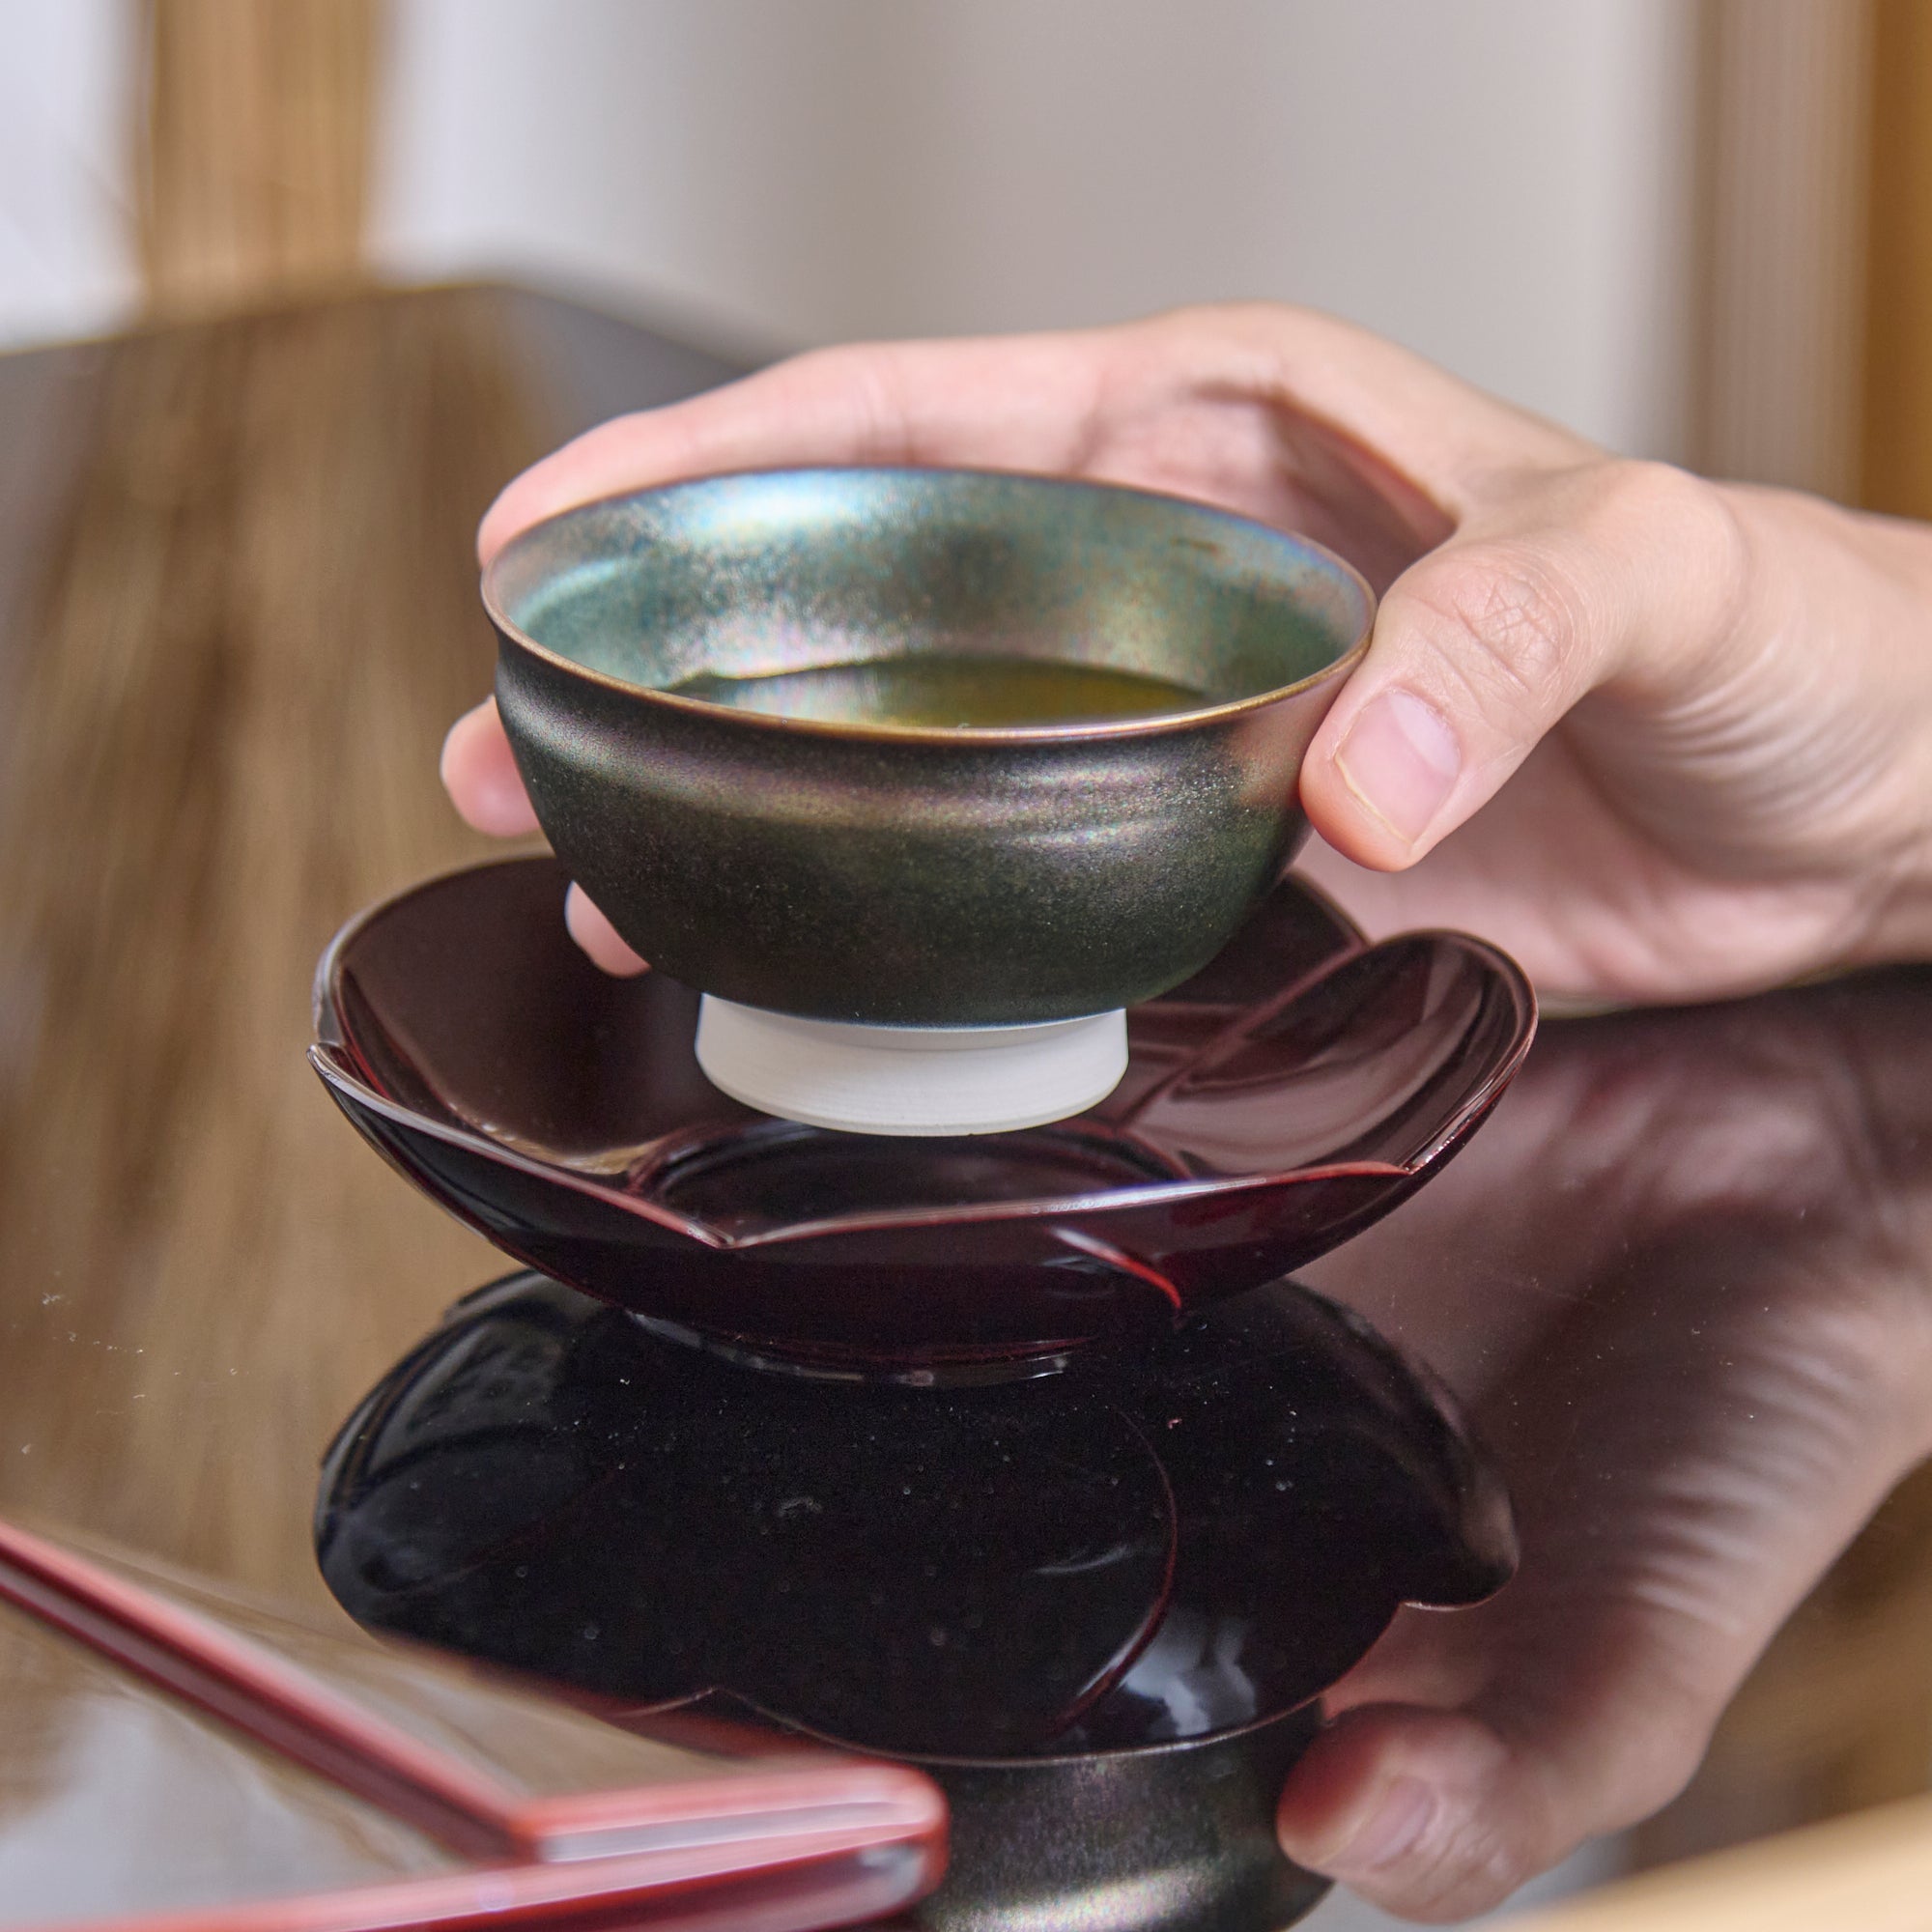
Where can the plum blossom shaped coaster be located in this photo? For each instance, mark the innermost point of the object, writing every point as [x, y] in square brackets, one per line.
[1295, 1090]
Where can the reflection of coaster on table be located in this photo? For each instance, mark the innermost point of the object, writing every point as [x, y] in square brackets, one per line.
[1099, 1608]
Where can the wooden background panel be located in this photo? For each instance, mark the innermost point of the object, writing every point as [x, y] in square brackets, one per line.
[1822, 357]
[1782, 109]
[253, 148]
[1897, 416]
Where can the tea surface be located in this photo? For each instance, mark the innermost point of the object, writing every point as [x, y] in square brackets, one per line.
[938, 691]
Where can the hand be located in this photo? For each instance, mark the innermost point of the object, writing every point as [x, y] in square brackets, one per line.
[1680, 1281]
[1659, 738]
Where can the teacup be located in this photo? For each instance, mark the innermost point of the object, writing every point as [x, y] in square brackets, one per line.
[920, 749]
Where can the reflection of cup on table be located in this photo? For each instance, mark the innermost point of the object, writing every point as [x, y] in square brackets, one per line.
[934, 772]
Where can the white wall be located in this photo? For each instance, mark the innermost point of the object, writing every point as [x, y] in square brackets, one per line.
[1502, 184]
[1496, 182]
[65, 224]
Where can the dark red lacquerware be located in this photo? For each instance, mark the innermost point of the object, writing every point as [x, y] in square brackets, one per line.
[1292, 1092]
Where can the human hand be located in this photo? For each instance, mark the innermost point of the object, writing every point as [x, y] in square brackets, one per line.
[1683, 1281]
[1659, 738]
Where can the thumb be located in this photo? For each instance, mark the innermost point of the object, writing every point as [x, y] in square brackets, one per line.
[1426, 1813]
[1609, 572]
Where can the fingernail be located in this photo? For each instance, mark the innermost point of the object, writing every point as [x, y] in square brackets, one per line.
[591, 929]
[1393, 1827]
[1401, 759]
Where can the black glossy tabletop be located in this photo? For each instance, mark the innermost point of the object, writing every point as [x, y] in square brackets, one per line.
[1680, 1280]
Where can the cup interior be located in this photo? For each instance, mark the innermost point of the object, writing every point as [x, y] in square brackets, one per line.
[761, 575]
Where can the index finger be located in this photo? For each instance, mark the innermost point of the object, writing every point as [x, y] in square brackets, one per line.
[1146, 403]
[1011, 403]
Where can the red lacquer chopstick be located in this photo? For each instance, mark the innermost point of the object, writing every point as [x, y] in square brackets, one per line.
[815, 1846]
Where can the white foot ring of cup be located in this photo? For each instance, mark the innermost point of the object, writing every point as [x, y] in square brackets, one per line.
[910, 1080]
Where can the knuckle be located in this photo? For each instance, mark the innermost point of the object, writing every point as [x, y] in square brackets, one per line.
[1657, 1760]
[1659, 503]
[1530, 620]
[1657, 509]
[1471, 1867]
[868, 383]
[1636, 494]
[1607, 1776]
[1215, 317]
[1510, 619]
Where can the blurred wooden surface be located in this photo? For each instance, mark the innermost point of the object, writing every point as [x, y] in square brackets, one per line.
[1869, 1873]
[253, 150]
[238, 610]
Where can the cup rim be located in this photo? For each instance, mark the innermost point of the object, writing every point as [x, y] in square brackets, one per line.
[967, 736]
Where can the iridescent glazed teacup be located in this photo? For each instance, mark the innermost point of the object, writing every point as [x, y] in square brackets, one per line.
[853, 868]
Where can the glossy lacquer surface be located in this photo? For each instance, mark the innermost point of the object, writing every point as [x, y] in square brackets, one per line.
[1678, 1279]
[1097, 1561]
[1287, 1095]
[914, 874]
